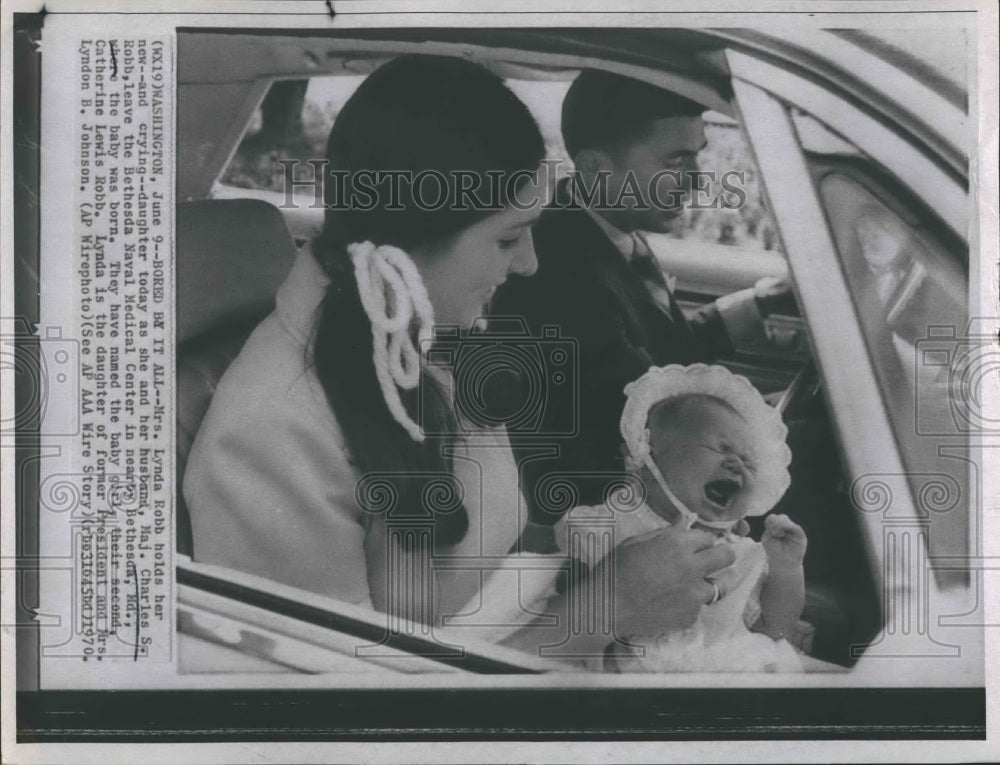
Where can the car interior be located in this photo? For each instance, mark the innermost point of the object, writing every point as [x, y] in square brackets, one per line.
[233, 253]
[231, 256]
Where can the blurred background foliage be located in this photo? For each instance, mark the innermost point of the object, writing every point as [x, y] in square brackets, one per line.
[295, 117]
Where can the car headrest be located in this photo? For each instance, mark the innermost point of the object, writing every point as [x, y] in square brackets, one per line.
[232, 255]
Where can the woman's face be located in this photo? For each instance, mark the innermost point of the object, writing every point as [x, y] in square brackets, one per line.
[462, 273]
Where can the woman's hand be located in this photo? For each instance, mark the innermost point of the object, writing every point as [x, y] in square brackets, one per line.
[660, 580]
[658, 583]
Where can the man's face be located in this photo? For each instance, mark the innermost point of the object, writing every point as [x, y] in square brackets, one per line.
[658, 166]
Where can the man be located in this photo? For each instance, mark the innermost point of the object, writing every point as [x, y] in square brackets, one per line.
[634, 146]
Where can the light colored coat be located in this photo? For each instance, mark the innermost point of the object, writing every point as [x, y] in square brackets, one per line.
[271, 486]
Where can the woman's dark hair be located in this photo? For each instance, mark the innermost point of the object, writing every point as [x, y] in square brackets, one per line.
[413, 114]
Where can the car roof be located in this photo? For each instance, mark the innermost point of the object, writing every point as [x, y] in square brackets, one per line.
[223, 74]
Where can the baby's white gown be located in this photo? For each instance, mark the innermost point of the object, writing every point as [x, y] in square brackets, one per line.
[720, 639]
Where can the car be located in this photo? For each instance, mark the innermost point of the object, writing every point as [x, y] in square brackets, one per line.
[854, 149]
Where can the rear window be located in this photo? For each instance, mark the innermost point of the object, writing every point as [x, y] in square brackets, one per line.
[295, 117]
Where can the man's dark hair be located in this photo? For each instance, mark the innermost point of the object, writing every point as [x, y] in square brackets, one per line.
[605, 111]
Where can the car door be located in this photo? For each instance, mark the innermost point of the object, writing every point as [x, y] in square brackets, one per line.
[230, 622]
[873, 223]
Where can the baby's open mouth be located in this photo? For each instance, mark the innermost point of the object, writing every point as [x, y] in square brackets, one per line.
[721, 492]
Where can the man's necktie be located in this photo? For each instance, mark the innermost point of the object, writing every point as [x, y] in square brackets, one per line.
[645, 265]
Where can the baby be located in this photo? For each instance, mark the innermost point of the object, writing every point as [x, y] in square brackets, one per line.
[709, 452]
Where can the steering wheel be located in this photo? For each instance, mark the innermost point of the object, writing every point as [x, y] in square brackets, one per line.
[801, 391]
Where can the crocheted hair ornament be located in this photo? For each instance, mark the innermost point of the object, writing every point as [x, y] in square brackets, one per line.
[388, 279]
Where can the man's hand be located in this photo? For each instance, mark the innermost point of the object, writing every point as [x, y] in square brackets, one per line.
[784, 542]
[770, 293]
[660, 580]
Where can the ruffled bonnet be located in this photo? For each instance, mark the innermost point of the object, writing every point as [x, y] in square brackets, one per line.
[766, 429]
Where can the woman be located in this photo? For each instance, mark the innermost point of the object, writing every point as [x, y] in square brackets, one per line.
[329, 433]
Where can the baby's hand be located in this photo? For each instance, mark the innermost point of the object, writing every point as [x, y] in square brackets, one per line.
[784, 542]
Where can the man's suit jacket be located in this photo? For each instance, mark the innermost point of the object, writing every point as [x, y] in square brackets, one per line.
[586, 288]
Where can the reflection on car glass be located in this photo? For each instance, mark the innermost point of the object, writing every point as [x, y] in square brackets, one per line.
[887, 247]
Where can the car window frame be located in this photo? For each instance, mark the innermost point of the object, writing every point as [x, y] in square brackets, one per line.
[255, 88]
[939, 189]
[896, 528]
[214, 596]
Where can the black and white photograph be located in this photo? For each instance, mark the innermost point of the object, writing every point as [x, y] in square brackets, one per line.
[396, 382]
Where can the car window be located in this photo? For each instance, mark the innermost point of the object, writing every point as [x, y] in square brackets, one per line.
[291, 122]
[295, 117]
[729, 219]
[909, 282]
[902, 280]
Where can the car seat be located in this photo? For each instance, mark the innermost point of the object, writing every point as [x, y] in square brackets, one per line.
[231, 255]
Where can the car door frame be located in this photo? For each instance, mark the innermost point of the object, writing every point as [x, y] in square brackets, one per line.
[896, 524]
